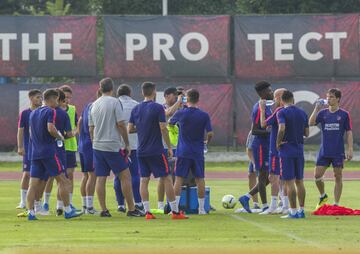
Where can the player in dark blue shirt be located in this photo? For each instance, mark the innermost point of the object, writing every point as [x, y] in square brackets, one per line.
[274, 161]
[148, 121]
[293, 126]
[260, 148]
[193, 124]
[44, 160]
[63, 125]
[334, 123]
[23, 137]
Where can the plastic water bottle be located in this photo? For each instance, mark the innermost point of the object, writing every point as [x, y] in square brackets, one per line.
[183, 99]
[59, 143]
[205, 148]
[323, 102]
[270, 102]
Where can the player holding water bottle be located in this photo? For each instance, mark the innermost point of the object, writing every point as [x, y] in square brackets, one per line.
[334, 123]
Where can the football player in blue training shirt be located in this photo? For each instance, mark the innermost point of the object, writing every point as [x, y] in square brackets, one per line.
[23, 136]
[260, 147]
[87, 185]
[63, 125]
[274, 161]
[193, 123]
[44, 159]
[335, 122]
[148, 121]
[293, 126]
[124, 95]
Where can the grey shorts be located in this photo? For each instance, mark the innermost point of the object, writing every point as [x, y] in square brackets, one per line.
[249, 140]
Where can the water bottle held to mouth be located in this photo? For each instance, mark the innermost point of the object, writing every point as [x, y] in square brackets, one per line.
[269, 102]
[322, 102]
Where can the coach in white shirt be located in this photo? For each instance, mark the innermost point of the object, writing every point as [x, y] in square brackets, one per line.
[127, 103]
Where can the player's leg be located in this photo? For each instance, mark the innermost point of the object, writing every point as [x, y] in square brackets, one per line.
[47, 193]
[252, 176]
[301, 193]
[274, 178]
[70, 169]
[31, 196]
[24, 185]
[322, 164]
[101, 193]
[288, 175]
[182, 166]
[338, 184]
[119, 165]
[83, 183]
[119, 195]
[198, 170]
[90, 190]
[39, 194]
[135, 180]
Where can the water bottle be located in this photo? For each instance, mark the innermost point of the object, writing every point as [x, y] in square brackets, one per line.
[205, 148]
[322, 102]
[269, 102]
[59, 142]
[183, 99]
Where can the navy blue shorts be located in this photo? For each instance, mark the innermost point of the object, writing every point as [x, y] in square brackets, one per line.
[104, 162]
[292, 168]
[26, 164]
[43, 168]
[261, 157]
[274, 165]
[184, 165]
[336, 162]
[156, 164]
[86, 161]
[70, 159]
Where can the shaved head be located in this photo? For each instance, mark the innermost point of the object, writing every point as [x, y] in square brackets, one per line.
[277, 96]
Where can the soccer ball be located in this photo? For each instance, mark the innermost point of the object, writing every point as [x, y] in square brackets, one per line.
[228, 201]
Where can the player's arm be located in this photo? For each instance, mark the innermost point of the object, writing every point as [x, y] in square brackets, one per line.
[165, 136]
[306, 129]
[68, 132]
[209, 136]
[121, 126]
[131, 128]
[91, 126]
[209, 131]
[280, 136]
[171, 110]
[350, 141]
[314, 114]
[255, 130]
[78, 126]
[20, 141]
[262, 113]
[54, 132]
[306, 132]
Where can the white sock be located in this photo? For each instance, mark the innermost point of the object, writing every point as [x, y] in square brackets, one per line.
[336, 203]
[177, 198]
[265, 205]
[23, 194]
[201, 204]
[273, 203]
[286, 202]
[121, 206]
[90, 202]
[161, 205]
[37, 206]
[32, 212]
[70, 198]
[322, 195]
[292, 211]
[138, 204]
[301, 209]
[146, 206]
[47, 197]
[59, 204]
[248, 195]
[174, 207]
[256, 204]
[67, 209]
[84, 201]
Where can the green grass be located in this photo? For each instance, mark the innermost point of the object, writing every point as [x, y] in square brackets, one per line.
[210, 166]
[222, 231]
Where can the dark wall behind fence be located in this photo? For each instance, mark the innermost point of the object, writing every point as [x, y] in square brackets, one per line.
[222, 56]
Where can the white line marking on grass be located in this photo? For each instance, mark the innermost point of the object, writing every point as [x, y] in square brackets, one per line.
[272, 230]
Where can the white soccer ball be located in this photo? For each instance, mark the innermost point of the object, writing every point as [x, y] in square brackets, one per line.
[228, 201]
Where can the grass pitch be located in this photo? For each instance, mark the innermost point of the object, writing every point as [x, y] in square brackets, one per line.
[220, 232]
